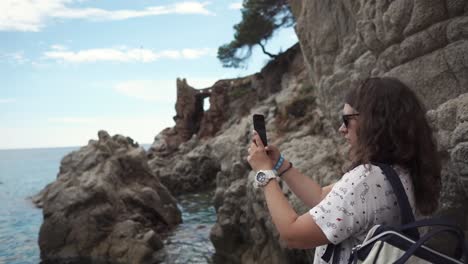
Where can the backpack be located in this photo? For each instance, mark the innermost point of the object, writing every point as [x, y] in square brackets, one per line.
[403, 244]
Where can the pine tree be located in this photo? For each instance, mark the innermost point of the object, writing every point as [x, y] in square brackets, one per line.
[260, 18]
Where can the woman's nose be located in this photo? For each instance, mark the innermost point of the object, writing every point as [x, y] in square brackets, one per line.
[343, 129]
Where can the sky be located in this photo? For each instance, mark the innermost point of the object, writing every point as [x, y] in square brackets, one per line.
[70, 68]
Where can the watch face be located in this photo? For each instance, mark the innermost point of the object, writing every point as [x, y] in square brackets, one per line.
[261, 177]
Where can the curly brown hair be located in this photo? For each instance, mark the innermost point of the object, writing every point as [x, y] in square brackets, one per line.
[393, 129]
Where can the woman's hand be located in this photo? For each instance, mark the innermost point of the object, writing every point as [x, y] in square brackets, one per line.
[273, 153]
[258, 157]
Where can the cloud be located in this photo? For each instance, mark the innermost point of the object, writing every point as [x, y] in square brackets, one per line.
[32, 15]
[58, 47]
[14, 57]
[237, 5]
[123, 54]
[7, 100]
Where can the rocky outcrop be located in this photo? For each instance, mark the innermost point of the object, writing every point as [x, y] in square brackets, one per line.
[450, 121]
[192, 167]
[106, 205]
[244, 232]
[191, 118]
[181, 156]
[423, 43]
[282, 91]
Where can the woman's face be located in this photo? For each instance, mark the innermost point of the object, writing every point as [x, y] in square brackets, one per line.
[349, 132]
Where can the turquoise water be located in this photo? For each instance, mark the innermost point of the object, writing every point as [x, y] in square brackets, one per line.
[190, 242]
[24, 173]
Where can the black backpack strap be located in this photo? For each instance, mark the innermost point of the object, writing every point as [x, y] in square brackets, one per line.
[332, 249]
[406, 212]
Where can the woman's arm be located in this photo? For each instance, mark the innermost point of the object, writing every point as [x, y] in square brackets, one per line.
[296, 231]
[310, 192]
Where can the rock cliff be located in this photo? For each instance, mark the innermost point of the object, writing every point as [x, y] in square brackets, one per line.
[283, 93]
[105, 206]
[109, 200]
[423, 43]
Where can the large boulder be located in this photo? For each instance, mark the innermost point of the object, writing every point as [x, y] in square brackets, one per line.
[191, 167]
[106, 205]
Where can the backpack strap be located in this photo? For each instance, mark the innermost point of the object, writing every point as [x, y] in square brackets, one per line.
[406, 212]
[332, 249]
[457, 232]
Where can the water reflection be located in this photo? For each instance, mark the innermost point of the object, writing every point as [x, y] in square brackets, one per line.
[190, 242]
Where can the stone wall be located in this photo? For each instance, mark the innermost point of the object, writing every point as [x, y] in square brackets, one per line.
[424, 43]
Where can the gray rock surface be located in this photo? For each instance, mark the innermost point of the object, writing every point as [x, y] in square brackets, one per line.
[192, 167]
[423, 43]
[106, 204]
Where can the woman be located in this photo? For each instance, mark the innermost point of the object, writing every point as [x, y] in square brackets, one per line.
[383, 121]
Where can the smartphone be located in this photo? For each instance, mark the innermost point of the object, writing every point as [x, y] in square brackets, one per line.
[259, 126]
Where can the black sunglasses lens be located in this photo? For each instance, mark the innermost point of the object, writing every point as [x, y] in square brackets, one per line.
[345, 121]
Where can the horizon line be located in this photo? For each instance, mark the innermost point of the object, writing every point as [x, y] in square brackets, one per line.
[53, 147]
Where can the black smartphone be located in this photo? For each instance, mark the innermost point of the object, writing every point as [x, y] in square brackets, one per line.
[259, 126]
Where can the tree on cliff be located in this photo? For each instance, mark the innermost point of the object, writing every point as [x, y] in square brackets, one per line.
[260, 18]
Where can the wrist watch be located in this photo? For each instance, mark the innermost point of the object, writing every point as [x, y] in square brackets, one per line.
[263, 177]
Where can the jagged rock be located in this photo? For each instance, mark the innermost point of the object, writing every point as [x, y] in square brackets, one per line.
[105, 205]
[244, 232]
[178, 155]
[228, 99]
[423, 43]
[215, 116]
[450, 123]
[193, 167]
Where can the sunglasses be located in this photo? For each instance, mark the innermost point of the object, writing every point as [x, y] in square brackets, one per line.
[346, 119]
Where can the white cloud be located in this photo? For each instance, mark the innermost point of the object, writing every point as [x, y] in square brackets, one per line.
[14, 57]
[7, 100]
[123, 54]
[32, 15]
[237, 5]
[58, 47]
[196, 53]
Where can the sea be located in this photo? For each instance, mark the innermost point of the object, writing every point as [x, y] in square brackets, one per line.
[24, 172]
